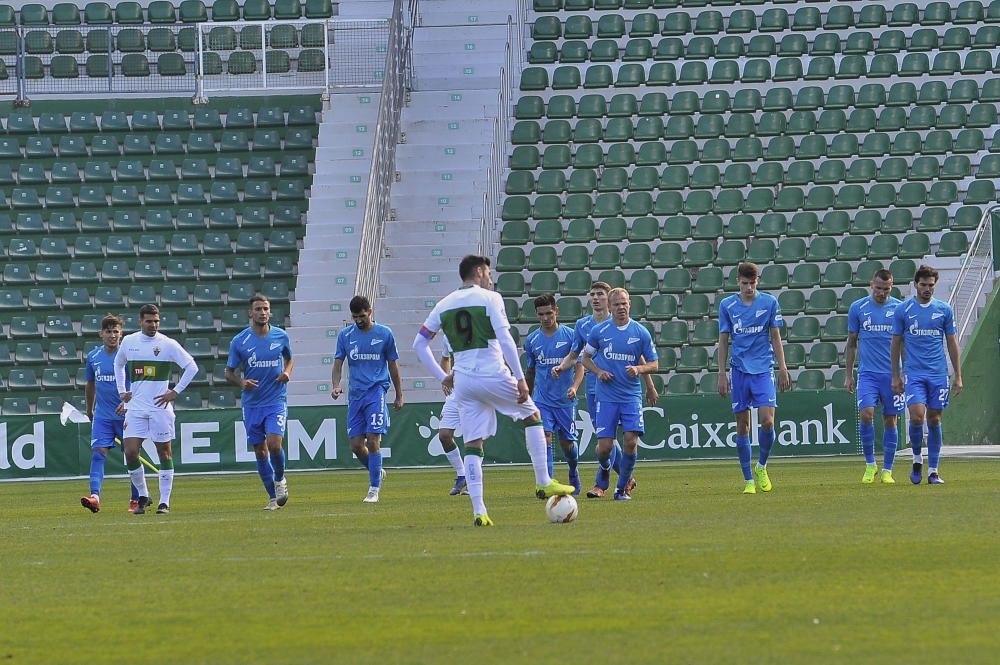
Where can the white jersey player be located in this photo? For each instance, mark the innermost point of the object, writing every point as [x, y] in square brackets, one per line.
[149, 358]
[487, 377]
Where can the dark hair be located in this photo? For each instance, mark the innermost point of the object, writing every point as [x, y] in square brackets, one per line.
[360, 304]
[883, 274]
[923, 272]
[546, 299]
[748, 270]
[603, 286]
[259, 297]
[110, 321]
[469, 264]
[148, 310]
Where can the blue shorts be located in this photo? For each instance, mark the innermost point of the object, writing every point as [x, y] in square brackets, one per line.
[755, 390]
[612, 414]
[368, 416]
[106, 433]
[592, 408]
[264, 420]
[561, 421]
[874, 389]
[931, 391]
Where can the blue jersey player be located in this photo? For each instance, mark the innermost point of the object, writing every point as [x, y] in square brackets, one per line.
[554, 396]
[618, 352]
[370, 351]
[264, 353]
[923, 325]
[869, 335]
[104, 410]
[753, 321]
[599, 307]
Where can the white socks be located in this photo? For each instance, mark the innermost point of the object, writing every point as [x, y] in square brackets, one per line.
[534, 439]
[166, 485]
[138, 477]
[455, 458]
[474, 483]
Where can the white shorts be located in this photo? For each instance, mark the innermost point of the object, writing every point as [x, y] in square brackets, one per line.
[449, 414]
[480, 397]
[155, 425]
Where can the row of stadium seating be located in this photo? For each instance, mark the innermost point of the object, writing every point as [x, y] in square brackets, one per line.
[162, 11]
[192, 398]
[167, 223]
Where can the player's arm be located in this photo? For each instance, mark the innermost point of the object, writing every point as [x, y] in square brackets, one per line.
[587, 360]
[90, 395]
[784, 380]
[896, 361]
[120, 376]
[397, 384]
[850, 352]
[286, 371]
[190, 370]
[338, 370]
[566, 363]
[723, 363]
[577, 380]
[956, 361]
[652, 394]
[529, 377]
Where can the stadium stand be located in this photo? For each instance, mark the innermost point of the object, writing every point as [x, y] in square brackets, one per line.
[658, 143]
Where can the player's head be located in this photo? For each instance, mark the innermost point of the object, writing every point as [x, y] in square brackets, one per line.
[260, 310]
[747, 276]
[475, 269]
[149, 319]
[361, 312]
[111, 331]
[620, 305]
[547, 311]
[924, 281]
[599, 296]
[881, 286]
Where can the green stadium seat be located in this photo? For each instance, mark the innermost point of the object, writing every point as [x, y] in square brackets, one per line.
[319, 8]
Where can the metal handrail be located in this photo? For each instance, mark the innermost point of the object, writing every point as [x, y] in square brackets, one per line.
[397, 77]
[975, 274]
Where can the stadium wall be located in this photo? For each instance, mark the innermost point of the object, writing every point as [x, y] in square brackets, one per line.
[971, 417]
[809, 423]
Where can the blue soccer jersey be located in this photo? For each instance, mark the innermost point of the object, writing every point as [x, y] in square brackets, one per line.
[101, 370]
[749, 326]
[614, 348]
[923, 329]
[873, 324]
[263, 360]
[543, 352]
[581, 332]
[368, 354]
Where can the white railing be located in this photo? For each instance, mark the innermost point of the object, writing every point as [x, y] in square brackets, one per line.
[497, 165]
[974, 278]
[395, 86]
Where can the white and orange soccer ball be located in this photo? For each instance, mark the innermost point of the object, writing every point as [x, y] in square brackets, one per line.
[561, 509]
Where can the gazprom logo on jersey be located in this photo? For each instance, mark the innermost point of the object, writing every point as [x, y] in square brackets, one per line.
[876, 327]
[253, 362]
[357, 355]
[740, 329]
[609, 354]
[102, 377]
[917, 331]
[541, 359]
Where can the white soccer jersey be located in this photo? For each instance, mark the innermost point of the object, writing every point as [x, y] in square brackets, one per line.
[149, 362]
[469, 318]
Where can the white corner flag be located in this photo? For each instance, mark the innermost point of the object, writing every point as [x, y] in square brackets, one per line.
[71, 414]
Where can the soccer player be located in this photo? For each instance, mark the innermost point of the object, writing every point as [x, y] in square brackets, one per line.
[753, 321]
[599, 306]
[148, 357]
[869, 331]
[265, 354]
[104, 408]
[448, 423]
[476, 325]
[618, 352]
[370, 350]
[922, 326]
[545, 348]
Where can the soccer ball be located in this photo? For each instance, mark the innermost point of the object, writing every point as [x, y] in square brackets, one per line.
[561, 509]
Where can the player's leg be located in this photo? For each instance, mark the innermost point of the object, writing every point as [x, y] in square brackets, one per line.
[549, 427]
[606, 429]
[765, 439]
[274, 429]
[934, 443]
[478, 420]
[615, 458]
[376, 427]
[892, 406]
[163, 436]
[450, 422]
[566, 433]
[119, 437]
[98, 455]
[866, 429]
[356, 425]
[916, 406]
[137, 426]
[630, 416]
[253, 422]
[741, 400]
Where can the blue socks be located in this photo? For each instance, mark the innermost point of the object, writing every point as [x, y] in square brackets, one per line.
[628, 466]
[890, 440]
[916, 440]
[266, 474]
[375, 469]
[766, 439]
[572, 458]
[934, 440]
[743, 450]
[549, 461]
[96, 471]
[278, 464]
[603, 471]
[868, 441]
[616, 458]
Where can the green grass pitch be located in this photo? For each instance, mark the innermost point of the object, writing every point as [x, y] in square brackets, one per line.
[821, 570]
